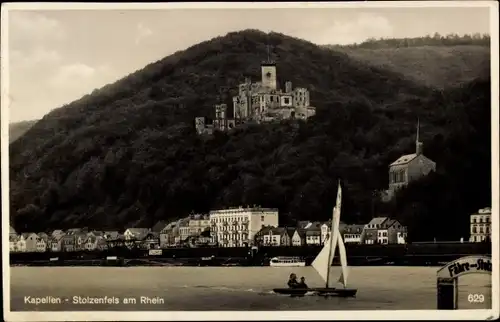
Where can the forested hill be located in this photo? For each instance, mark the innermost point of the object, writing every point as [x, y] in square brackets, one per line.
[17, 129]
[440, 61]
[128, 155]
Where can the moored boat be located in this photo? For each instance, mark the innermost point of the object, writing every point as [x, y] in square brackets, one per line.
[283, 261]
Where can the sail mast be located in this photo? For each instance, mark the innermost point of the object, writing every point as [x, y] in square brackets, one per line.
[330, 240]
[334, 231]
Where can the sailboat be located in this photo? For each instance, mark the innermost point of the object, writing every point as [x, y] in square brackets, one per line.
[323, 262]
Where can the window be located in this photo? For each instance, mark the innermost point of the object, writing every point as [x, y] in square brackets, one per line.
[480, 220]
[286, 100]
[262, 218]
[487, 219]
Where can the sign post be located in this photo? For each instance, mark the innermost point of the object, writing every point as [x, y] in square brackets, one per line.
[447, 278]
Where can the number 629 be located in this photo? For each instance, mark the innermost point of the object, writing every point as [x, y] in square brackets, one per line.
[475, 298]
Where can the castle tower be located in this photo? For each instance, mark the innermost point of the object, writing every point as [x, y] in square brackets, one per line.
[418, 145]
[220, 111]
[288, 87]
[268, 70]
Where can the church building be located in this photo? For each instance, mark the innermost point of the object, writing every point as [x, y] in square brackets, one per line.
[408, 168]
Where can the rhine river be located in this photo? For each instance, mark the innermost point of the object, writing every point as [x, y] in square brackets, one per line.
[231, 288]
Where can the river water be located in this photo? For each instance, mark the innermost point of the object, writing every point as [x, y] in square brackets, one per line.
[231, 288]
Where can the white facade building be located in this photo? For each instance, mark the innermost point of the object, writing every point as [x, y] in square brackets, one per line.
[236, 227]
[480, 225]
[353, 238]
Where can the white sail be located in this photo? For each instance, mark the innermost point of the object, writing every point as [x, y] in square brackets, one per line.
[322, 263]
[343, 262]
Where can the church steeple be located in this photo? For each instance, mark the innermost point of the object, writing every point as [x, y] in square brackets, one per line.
[418, 145]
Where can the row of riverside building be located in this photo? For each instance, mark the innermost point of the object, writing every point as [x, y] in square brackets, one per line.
[233, 227]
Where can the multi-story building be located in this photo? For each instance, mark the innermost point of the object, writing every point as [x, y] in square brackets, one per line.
[299, 237]
[408, 168]
[326, 229]
[236, 227]
[13, 242]
[184, 231]
[167, 234]
[261, 102]
[274, 236]
[54, 243]
[383, 230]
[41, 244]
[31, 241]
[198, 223]
[480, 225]
[352, 234]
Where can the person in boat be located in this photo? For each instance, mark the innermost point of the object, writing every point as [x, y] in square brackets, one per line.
[292, 281]
[302, 283]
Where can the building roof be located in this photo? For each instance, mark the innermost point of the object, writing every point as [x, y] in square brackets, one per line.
[313, 232]
[390, 222]
[377, 221]
[73, 231]
[315, 225]
[43, 236]
[57, 232]
[111, 234]
[300, 232]
[352, 229]
[183, 222]
[26, 235]
[404, 159]
[12, 230]
[139, 231]
[13, 238]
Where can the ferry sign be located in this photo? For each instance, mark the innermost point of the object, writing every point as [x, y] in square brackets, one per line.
[466, 265]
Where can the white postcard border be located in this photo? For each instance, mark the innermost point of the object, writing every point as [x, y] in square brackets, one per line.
[250, 315]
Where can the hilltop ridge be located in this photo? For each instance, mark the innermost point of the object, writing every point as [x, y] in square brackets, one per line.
[128, 154]
[436, 61]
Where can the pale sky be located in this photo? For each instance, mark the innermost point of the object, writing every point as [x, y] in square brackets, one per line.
[58, 56]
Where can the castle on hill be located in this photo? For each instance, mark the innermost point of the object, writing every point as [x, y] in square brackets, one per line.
[260, 102]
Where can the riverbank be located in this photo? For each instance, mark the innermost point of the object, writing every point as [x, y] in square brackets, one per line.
[424, 254]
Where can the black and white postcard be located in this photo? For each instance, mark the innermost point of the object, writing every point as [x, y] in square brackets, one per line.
[250, 161]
